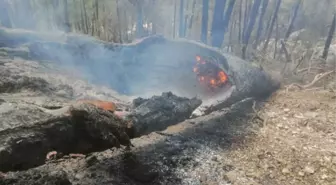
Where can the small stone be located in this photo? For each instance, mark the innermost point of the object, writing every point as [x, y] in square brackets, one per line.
[309, 169]
[286, 110]
[324, 176]
[301, 173]
[285, 171]
[231, 176]
[214, 158]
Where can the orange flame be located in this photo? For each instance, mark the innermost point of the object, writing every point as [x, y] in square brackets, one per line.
[106, 105]
[198, 58]
[212, 80]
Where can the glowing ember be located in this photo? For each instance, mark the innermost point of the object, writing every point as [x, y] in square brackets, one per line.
[209, 74]
[106, 105]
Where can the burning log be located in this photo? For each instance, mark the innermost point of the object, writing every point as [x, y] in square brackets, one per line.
[210, 74]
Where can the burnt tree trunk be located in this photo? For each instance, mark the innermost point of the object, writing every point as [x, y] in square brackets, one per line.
[191, 18]
[291, 24]
[270, 31]
[261, 23]
[329, 38]
[83, 27]
[248, 31]
[205, 19]
[246, 14]
[276, 38]
[4, 14]
[85, 18]
[181, 27]
[119, 22]
[174, 20]
[217, 22]
[139, 26]
[67, 26]
[240, 21]
[97, 18]
[227, 17]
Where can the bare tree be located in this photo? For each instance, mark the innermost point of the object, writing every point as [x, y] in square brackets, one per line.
[261, 23]
[291, 24]
[181, 27]
[248, 31]
[329, 38]
[4, 14]
[67, 26]
[174, 21]
[270, 31]
[217, 23]
[205, 18]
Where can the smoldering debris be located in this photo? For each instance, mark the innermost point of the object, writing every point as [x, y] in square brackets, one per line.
[32, 130]
[159, 112]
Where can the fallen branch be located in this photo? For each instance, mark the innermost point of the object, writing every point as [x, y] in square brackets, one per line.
[256, 113]
[288, 57]
[317, 78]
[308, 69]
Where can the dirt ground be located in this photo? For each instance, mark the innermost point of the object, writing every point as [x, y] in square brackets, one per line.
[294, 142]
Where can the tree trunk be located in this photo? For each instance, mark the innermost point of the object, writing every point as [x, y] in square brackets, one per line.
[5, 19]
[240, 21]
[84, 30]
[181, 27]
[97, 22]
[205, 19]
[119, 22]
[227, 18]
[329, 38]
[277, 7]
[85, 17]
[139, 26]
[217, 22]
[276, 38]
[291, 24]
[247, 34]
[67, 26]
[246, 13]
[174, 24]
[191, 18]
[261, 23]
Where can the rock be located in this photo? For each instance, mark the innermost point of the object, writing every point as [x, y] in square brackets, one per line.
[231, 176]
[324, 176]
[301, 173]
[285, 171]
[309, 169]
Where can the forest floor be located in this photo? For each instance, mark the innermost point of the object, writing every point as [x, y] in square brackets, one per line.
[295, 143]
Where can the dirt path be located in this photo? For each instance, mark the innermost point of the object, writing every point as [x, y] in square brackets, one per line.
[296, 143]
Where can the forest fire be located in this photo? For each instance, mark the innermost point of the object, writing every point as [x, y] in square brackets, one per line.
[209, 74]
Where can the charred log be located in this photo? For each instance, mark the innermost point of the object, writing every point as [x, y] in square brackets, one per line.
[159, 112]
[81, 128]
[153, 160]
